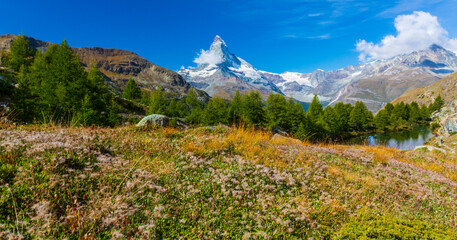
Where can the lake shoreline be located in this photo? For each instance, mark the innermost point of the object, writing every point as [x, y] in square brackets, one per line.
[402, 140]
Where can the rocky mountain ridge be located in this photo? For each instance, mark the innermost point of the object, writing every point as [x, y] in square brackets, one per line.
[119, 65]
[374, 83]
[226, 74]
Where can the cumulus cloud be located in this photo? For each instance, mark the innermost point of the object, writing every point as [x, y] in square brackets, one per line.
[416, 31]
[208, 57]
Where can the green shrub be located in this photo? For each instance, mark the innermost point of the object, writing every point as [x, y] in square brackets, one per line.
[386, 227]
[7, 173]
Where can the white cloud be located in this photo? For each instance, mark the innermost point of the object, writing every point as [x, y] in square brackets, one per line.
[325, 36]
[208, 57]
[315, 14]
[414, 32]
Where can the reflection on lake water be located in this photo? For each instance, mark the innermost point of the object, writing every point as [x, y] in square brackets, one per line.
[404, 140]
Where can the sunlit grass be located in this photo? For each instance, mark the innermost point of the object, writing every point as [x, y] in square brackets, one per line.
[213, 183]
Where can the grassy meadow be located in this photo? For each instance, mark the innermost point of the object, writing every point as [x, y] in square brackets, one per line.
[223, 183]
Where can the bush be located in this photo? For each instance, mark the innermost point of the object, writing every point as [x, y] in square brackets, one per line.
[434, 125]
[386, 227]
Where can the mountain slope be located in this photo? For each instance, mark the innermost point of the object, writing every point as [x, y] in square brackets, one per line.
[383, 81]
[446, 87]
[374, 83]
[119, 65]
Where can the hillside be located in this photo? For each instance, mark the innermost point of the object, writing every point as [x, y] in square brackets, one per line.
[446, 87]
[119, 65]
[226, 183]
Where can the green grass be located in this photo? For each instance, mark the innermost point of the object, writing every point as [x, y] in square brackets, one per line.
[84, 183]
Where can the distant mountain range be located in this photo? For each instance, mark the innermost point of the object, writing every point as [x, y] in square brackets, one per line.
[374, 83]
[119, 65]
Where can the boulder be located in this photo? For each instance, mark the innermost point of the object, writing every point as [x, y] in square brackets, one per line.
[155, 120]
[280, 132]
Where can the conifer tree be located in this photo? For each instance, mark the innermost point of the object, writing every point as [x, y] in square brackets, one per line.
[253, 108]
[414, 114]
[382, 119]
[276, 111]
[315, 110]
[295, 115]
[177, 108]
[360, 117]
[342, 112]
[389, 108]
[132, 90]
[437, 104]
[216, 111]
[195, 115]
[20, 53]
[24, 101]
[97, 98]
[236, 109]
[397, 117]
[157, 103]
[330, 122]
[424, 113]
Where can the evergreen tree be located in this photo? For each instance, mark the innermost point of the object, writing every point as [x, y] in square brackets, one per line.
[157, 103]
[424, 113]
[276, 111]
[56, 86]
[253, 109]
[236, 109]
[397, 117]
[360, 117]
[196, 112]
[414, 114]
[389, 108]
[295, 115]
[315, 110]
[342, 112]
[132, 90]
[97, 98]
[382, 119]
[24, 102]
[177, 108]
[437, 104]
[216, 111]
[67, 80]
[330, 122]
[304, 130]
[20, 53]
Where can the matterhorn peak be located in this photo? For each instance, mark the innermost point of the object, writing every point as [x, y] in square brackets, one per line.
[218, 44]
[219, 48]
[218, 40]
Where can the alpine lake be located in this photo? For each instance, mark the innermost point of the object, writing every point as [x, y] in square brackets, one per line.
[401, 140]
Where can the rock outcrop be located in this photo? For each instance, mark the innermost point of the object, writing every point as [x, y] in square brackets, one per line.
[155, 120]
[447, 118]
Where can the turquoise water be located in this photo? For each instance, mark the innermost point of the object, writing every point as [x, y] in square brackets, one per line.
[404, 140]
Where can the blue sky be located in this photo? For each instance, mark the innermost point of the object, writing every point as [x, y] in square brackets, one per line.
[275, 36]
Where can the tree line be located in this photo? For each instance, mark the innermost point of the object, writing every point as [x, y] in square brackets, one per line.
[54, 84]
[317, 123]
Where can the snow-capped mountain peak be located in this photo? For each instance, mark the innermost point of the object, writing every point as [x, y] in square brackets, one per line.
[219, 48]
[232, 72]
[219, 41]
